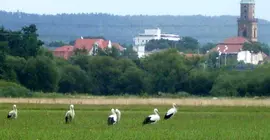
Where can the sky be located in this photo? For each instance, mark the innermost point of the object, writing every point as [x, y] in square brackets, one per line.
[135, 7]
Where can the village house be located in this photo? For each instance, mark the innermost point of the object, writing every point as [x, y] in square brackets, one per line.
[234, 47]
[64, 51]
[87, 44]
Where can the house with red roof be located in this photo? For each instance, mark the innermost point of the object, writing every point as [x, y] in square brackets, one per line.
[64, 51]
[234, 47]
[87, 44]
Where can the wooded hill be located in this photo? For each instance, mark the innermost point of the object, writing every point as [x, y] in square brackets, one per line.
[67, 27]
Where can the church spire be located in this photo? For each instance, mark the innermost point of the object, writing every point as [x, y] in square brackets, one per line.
[247, 23]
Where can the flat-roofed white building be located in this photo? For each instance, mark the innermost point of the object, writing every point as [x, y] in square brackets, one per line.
[151, 34]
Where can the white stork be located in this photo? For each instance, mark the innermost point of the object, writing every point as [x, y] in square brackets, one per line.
[70, 114]
[112, 119]
[13, 113]
[119, 114]
[151, 119]
[171, 112]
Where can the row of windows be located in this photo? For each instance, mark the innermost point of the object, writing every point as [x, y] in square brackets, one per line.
[143, 41]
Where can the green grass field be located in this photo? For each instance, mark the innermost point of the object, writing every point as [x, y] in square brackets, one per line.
[46, 122]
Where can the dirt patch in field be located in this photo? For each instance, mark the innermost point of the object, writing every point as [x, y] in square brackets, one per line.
[139, 101]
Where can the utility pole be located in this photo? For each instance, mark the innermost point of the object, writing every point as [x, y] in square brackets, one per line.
[226, 48]
[225, 59]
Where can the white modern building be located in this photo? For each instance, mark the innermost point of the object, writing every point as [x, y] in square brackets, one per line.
[151, 34]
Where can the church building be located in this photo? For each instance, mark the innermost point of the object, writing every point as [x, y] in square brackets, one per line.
[247, 33]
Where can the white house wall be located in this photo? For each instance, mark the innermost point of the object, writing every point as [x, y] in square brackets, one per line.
[249, 58]
[152, 31]
[142, 40]
[141, 51]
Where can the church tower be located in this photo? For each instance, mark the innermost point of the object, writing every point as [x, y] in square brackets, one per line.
[247, 23]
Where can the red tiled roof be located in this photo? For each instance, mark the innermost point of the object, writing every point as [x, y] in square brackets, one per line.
[64, 48]
[64, 51]
[118, 46]
[87, 43]
[234, 45]
[67, 51]
[105, 44]
[231, 48]
[235, 40]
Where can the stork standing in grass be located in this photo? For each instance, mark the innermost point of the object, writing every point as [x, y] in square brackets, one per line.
[171, 112]
[112, 119]
[70, 114]
[117, 111]
[152, 119]
[13, 113]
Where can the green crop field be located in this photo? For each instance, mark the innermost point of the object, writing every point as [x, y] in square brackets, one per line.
[46, 122]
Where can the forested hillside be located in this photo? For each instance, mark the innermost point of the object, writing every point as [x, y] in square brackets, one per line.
[122, 29]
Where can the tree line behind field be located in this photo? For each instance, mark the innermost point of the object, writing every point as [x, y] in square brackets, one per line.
[31, 67]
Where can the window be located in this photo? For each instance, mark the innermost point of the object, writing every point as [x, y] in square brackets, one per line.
[245, 33]
[255, 35]
[245, 17]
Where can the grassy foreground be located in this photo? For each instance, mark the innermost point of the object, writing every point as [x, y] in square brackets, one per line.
[45, 122]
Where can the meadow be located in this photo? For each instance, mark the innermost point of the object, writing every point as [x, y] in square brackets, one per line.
[46, 122]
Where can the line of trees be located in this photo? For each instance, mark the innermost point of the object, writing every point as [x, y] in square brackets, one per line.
[24, 61]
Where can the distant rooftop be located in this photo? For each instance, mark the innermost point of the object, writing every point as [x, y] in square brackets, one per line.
[247, 1]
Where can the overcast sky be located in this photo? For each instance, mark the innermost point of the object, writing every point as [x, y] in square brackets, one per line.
[123, 7]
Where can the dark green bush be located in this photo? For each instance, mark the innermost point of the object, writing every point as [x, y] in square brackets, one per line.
[9, 89]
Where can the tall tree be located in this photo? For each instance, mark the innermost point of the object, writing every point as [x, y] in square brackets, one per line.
[57, 44]
[113, 52]
[166, 71]
[207, 47]
[254, 47]
[73, 79]
[40, 74]
[130, 54]
[2, 59]
[24, 43]
[188, 44]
